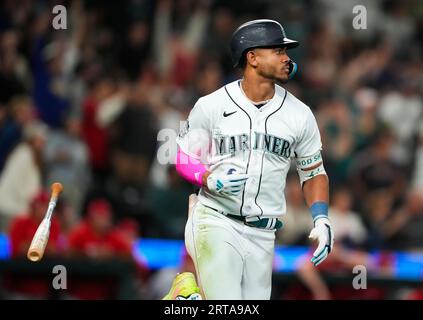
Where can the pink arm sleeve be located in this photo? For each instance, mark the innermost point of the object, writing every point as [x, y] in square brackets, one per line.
[189, 168]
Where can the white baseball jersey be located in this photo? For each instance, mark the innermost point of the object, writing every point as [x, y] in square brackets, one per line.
[226, 130]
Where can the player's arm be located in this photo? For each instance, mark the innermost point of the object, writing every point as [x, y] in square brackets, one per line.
[192, 170]
[315, 185]
[316, 189]
[194, 144]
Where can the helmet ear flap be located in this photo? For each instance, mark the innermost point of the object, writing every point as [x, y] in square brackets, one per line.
[293, 67]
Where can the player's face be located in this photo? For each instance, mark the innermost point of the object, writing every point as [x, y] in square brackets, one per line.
[272, 63]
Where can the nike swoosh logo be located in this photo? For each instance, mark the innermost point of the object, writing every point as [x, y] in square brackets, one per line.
[228, 114]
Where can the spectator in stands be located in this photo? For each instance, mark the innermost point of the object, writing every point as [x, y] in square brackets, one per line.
[176, 45]
[14, 73]
[404, 229]
[337, 127]
[349, 226]
[21, 177]
[96, 239]
[66, 159]
[406, 105]
[131, 128]
[215, 44]
[18, 114]
[376, 212]
[135, 45]
[94, 135]
[48, 62]
[67, 218]
[374, 170]
[366, 123]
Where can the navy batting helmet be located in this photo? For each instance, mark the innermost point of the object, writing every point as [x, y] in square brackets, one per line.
[258, 34]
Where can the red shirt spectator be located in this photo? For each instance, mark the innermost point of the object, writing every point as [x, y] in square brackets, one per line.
[94, 136]
[96, 239]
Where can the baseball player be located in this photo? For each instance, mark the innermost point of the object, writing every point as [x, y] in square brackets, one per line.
[237, 146]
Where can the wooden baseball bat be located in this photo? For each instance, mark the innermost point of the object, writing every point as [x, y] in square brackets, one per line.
[40, 239]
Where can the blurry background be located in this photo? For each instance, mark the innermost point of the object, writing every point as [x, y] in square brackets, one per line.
[84, 106]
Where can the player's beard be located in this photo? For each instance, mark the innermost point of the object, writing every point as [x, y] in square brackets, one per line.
[274, 76]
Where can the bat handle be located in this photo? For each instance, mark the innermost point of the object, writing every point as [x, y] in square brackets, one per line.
[50, 208]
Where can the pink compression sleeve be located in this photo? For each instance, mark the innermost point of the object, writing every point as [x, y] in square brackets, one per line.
[189, 168]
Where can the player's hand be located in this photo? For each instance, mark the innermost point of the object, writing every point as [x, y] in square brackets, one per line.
[226, 183]
[323, 232]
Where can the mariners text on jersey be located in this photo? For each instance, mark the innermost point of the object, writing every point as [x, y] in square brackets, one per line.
[231, 144]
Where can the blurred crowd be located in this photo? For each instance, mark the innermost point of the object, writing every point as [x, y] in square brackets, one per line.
[87, 106]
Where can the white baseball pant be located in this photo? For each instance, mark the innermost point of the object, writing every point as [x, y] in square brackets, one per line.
[233, 261]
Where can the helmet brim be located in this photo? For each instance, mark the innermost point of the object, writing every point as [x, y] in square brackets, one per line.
[283, 42]
[290, 44]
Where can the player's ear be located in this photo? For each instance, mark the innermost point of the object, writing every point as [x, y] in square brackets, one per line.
[251, 58]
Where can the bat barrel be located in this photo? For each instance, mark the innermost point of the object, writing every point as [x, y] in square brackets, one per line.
[39, 242]
[34, 255]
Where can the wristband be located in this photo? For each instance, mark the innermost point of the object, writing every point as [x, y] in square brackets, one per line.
[319, 209]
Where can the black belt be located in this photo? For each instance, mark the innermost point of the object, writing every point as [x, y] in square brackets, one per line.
[261, 223]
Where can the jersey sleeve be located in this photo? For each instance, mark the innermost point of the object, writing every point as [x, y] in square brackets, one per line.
[194, 138]
[310, 142]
